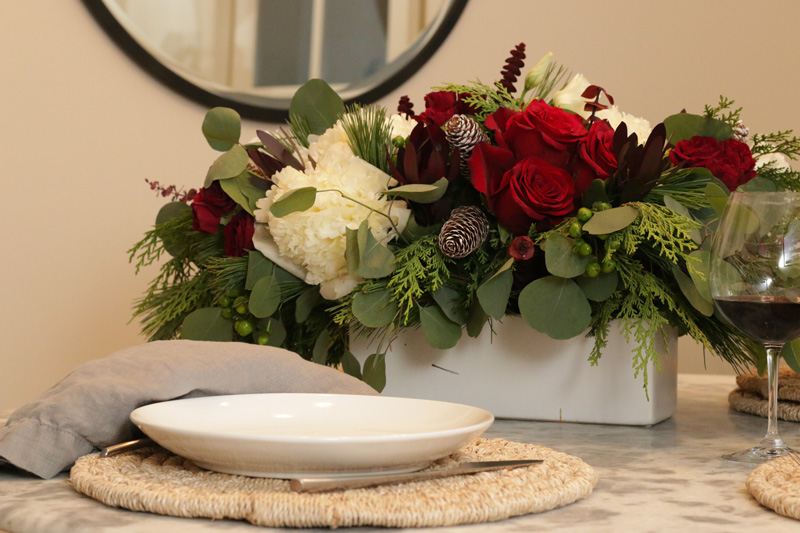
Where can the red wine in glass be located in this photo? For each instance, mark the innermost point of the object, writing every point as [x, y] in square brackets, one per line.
[766, 319]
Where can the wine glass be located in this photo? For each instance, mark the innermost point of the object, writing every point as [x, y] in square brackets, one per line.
[755, 284]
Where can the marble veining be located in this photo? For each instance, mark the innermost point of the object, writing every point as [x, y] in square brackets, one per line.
[667, 477]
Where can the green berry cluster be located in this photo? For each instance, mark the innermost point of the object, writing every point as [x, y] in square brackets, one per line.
[589, 245]
[234, 307]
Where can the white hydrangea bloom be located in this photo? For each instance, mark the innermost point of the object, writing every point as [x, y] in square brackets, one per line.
[315, 239]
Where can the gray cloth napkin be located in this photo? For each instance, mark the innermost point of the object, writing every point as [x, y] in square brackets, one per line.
[90, 407]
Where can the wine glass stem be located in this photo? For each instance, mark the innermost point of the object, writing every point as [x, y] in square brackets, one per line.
[772, 438]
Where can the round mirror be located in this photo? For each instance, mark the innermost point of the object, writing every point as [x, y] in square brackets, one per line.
[252, 55]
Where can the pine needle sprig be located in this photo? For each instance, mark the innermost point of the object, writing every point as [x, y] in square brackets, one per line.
[165, 306]
[683, 185]
[553, 77]
[370, 134]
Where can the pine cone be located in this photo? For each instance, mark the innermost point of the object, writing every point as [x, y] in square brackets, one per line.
[464, 133]
[741, 132]
[464, 232]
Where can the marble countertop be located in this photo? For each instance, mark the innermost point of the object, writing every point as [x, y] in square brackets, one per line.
[667, 477]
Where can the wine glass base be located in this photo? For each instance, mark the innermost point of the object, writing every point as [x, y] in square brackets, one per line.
[758, 455]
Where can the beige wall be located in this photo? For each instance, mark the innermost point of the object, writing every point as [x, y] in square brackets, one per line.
[81, 127]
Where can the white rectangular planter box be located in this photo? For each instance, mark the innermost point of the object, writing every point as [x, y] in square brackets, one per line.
[523, 374]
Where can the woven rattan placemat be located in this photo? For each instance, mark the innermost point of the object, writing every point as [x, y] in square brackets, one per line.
[751, 396]
[776, 484]
[154, 480]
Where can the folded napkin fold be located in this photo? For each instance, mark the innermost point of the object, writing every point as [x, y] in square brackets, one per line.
[90, 407]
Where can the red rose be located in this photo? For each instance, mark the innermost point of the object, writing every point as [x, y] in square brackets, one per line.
[595, 157]
[520, 193]
[440, 106]
[239, 234]
[735, 165]
[540, 131]
[695, 152]
[208, 205]
[730, 161]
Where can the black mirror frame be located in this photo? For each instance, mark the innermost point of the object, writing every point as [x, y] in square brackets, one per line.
[153, 66]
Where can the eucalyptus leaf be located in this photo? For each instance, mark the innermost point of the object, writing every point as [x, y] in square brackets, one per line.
[414, 231]
[375, 260]
[449, 300]
[611, 220]
[476, 318]
[207, 324]
[421, 193]
[222, 128]
[700, 272]
[228, 165]
[374, 373]
[258, 267]
[493, 294]
[684, 126]
[294, 201]
[275, 329]
[561, 260]
[679, 208]
[691, 293]
[717, 196]
[242, 190]
[169, 212]
[305, 303]
[265, 297]
[319, 353]
[317, 105]
[556, 307]
[791, 354]
[439, 331]
[350, 365]
[374, 309]
[351, 251]
[599, 288]
[759, 184]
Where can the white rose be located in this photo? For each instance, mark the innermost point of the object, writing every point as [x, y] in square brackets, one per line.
[570, 98]
[776, 161]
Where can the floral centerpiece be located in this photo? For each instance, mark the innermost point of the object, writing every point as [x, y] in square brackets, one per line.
[552, 204]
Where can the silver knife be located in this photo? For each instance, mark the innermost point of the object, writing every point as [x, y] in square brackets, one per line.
[352, 482]
[115, 449]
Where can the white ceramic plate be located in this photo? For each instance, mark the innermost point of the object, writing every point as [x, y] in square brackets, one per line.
[311, 435]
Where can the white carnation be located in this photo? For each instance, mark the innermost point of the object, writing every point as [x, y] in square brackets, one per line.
[401, 125]
[640, 126]
[776, 161]
[315, 239]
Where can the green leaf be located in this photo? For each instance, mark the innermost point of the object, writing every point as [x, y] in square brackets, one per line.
[305, 304]
[350, 365]
[265, 297]
[679, 208]
[555, 306]
[759, 184]
[700, 272]
[595, 193]
[207, 324]
[791, 354]
[170, 211]
[476, 318]
[420, 192]
[684, 126]
[559, 258]
[375, 371]
[439, 331]
[611, 220]
[228, 165]
[449, 300]
[717, 196]
[599, 288]
[691, 293]
[243, 191]
[493, 293]
[222, 127]
[293, 201]
[351, 251]
[374, 309]
[258, 267]
[317, 105]
[319, 354]
[374, 259]
[275, 328]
